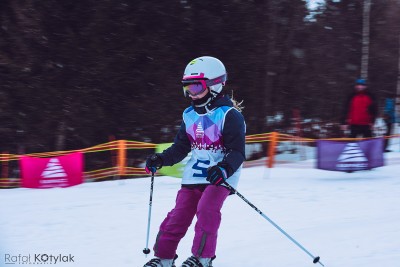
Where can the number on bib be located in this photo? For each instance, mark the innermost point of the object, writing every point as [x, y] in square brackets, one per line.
[201, 171]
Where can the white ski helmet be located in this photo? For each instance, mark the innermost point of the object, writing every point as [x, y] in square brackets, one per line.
[207, 72]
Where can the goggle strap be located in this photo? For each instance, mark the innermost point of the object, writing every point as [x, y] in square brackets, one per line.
[220, 79]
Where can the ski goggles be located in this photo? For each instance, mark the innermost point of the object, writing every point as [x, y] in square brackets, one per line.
[196, 85]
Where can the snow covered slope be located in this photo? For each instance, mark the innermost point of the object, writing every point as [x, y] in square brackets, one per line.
[349, 219]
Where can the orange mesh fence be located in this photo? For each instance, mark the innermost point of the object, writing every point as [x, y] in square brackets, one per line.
[120, 148]
[92, 175]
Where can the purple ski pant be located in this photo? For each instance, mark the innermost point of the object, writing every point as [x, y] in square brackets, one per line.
[205, 203]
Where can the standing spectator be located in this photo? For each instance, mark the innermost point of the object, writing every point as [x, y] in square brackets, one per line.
[389, 117]
[360, 111]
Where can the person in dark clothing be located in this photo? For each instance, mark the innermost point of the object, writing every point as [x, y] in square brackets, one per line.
[360, 111]
[389, 117]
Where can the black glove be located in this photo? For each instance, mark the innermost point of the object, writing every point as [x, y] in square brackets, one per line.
[216, 175]
[153, 162]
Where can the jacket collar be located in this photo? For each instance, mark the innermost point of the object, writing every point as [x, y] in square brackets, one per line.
[218, 101]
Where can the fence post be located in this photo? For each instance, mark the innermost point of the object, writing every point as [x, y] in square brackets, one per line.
[4, 169]
[121, 160]
[271, 150]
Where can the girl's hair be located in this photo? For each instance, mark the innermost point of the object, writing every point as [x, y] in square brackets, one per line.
[236, 104]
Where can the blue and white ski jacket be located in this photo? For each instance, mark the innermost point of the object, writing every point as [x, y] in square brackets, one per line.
[216, 136]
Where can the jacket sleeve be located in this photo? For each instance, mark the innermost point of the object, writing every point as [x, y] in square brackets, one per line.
[179, 149]
[234, 133]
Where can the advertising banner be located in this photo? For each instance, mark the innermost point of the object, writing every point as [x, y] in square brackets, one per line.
[62, 171]
[350, 156]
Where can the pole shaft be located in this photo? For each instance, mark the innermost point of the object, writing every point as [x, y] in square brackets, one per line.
[270, 221]
[150, 206]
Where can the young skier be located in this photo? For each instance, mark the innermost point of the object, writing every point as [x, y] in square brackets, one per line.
[213, 129]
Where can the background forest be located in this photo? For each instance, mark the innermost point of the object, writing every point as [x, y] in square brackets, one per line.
[74, 74]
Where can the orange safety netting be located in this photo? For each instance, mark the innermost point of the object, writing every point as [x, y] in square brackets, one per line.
[97, 148]
[123, 145]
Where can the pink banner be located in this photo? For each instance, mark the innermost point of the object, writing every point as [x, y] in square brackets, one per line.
[62, 171]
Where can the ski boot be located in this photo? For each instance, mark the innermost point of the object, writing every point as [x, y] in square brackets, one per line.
[193, 261]
[157, 262]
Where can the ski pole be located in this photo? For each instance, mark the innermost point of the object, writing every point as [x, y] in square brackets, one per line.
[146, 250]
[233, 190]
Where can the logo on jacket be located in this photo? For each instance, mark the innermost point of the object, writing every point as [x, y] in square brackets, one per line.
[199, 131]
[352, 157]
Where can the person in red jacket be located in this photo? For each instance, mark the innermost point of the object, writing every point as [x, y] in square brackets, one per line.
[360, 111]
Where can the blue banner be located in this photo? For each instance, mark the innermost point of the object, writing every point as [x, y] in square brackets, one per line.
[350, 156]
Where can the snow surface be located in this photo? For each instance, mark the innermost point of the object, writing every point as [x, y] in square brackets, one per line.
[349, 219]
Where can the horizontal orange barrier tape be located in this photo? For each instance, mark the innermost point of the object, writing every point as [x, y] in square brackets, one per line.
[97, 148]
[113, 145]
